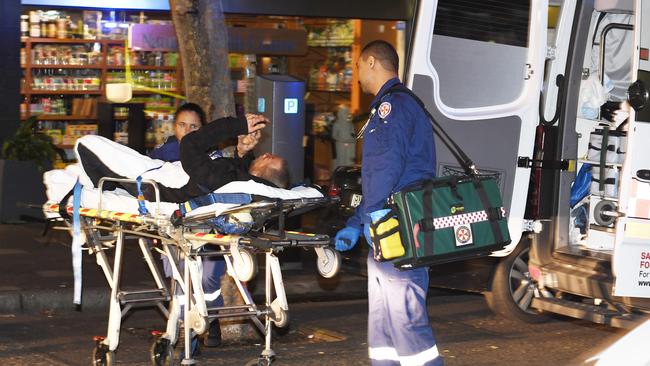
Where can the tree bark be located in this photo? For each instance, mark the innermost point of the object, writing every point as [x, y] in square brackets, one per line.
[203, 45]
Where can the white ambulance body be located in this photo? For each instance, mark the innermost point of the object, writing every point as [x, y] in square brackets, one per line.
[519, 85]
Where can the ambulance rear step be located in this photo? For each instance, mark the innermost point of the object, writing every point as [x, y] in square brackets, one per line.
[588, 312]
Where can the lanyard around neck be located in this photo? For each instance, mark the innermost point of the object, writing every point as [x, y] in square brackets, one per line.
[365, 125]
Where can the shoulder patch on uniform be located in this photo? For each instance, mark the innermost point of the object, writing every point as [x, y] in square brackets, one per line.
[384, 109]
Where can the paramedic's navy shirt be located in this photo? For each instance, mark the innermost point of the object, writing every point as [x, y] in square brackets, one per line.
[169, 151]
[398, 150]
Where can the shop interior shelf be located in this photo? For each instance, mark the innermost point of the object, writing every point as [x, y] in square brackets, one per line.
[67, 40]
[39, 66]
[142, 67]
[63, 92]
[62, 117]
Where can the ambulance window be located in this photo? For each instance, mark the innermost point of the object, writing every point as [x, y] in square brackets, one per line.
[479, 51]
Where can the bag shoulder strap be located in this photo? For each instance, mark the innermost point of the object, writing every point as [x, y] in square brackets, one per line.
[465, 162]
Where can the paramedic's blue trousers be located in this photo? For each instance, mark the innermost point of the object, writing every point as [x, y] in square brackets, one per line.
[213, 269]
[398, 324]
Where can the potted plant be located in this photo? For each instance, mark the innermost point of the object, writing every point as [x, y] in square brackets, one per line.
[24, 158]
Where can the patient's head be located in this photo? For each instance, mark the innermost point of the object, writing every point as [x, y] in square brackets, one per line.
[272, 168]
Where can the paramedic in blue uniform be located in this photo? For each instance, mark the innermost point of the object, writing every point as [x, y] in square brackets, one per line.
[398, 149]
[188, 118]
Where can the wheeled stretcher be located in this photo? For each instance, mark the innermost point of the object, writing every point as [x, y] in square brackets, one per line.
[184, 240]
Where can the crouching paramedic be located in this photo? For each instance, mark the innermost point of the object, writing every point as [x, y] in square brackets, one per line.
[187, 118]
[398, 149]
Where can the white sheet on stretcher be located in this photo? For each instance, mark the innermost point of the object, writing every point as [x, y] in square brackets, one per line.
[127, 162]
[58, 182]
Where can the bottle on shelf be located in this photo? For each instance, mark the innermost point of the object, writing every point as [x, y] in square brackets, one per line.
[43, 29]
[35, 24]
[62, 28]
[51, 29]
[24, 26]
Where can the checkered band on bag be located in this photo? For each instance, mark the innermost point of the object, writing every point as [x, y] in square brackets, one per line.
[463, 219]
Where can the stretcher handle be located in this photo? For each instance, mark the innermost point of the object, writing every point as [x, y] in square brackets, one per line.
[124, 180]
[287, 206]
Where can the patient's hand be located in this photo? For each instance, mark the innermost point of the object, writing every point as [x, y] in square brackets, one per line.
[256, 122]
[246, 143]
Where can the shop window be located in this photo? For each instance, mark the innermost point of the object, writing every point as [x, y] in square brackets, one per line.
[479, 50]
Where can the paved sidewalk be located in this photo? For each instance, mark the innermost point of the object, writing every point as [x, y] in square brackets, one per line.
[36, 274]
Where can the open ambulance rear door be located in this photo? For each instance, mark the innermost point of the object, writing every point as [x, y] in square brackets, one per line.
[632, 248]
[478, 66]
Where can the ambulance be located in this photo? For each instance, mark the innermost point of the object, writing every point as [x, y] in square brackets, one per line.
[551, 99]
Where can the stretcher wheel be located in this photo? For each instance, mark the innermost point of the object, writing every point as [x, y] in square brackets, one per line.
[102, 356]
[246, 268]
[198, 323]
[280, 316]
[600, 217]
[162, 352]
[329, 266]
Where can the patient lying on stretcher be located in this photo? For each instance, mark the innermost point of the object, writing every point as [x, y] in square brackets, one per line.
[199, 174]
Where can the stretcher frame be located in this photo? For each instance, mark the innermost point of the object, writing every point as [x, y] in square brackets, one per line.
[184, 240]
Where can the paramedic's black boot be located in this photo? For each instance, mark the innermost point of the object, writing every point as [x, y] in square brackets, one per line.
[214, 335]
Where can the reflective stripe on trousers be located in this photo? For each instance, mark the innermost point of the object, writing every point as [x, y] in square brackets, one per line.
[390, 354]
[398, 324]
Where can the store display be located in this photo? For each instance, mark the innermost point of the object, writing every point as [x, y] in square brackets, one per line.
[116, 56]
[63, 54]
[322, 123]
[86, 24]
[66, 79]
[52, 106]
[65, 134]
[333, 33]
[334, 72]
[69, 56]
[155, 79]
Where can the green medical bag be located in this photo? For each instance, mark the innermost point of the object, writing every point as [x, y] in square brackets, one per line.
[450, 218]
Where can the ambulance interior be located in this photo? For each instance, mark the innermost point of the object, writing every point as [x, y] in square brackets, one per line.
[601, 128]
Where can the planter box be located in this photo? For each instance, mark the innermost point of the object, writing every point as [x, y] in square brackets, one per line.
[21, 184]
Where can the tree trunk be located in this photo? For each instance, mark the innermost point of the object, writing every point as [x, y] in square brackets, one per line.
[203, 46]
